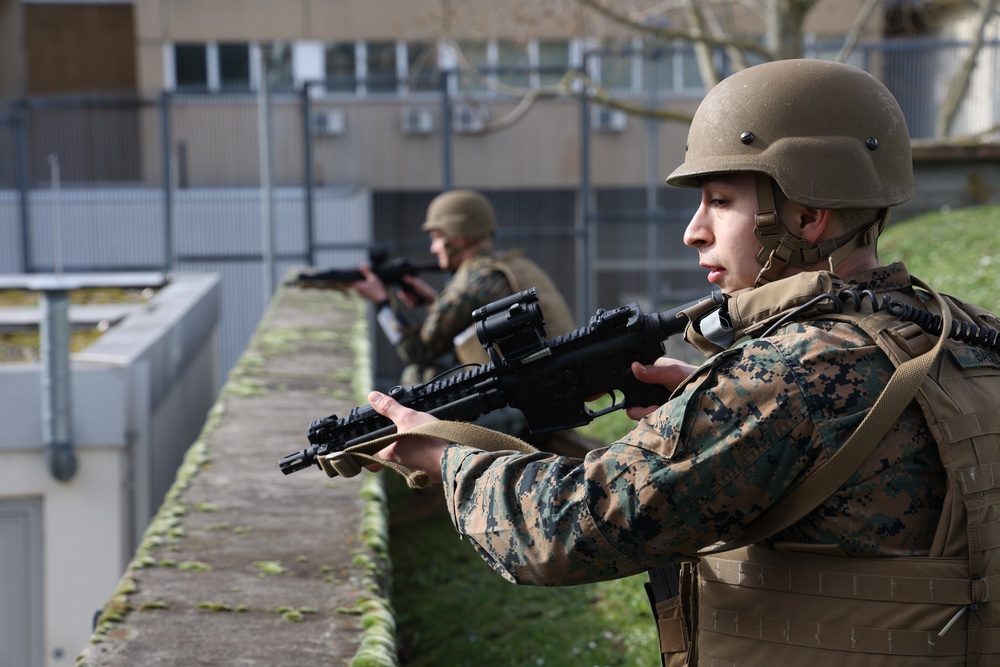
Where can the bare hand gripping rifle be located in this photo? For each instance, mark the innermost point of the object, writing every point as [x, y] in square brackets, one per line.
[550, 382]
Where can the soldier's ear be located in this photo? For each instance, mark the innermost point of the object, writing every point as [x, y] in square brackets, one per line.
[808, 223]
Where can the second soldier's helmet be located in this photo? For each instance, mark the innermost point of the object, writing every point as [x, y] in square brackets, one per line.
[830, 135]
[461, 213]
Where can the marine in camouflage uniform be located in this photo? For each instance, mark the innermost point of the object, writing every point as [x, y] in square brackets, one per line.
[877, 567]
[462, 224]
[427, 348]
[731, 441]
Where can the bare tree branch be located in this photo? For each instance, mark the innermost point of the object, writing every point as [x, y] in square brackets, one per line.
[960, 84]
[856, 29]
[703, 52]
[668, 34]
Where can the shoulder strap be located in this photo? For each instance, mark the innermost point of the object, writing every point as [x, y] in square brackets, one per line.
[898, 392]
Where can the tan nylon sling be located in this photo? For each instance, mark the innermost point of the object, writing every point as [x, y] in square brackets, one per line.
[349, 462]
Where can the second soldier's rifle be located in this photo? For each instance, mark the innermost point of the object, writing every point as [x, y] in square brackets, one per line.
[390, 271]
[550, 382]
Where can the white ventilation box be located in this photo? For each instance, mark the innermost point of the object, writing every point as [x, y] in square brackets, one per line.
[327, 122]
[604, 119]
[416, 121]
[466, 119]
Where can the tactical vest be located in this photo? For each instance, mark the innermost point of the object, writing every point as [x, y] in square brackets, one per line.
[522, 274]
[784, 605]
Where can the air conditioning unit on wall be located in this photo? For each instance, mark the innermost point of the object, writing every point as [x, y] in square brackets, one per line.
[604, 119]
[466, 119]
[416, 121]
[327, 122]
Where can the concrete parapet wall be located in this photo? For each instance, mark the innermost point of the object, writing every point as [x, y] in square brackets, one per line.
[952, 176]
[243, 565]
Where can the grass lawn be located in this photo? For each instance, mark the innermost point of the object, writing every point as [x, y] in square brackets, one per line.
[453, 611]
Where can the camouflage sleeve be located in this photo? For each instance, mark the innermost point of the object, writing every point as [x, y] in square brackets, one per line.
[451, 314]
[739, 434]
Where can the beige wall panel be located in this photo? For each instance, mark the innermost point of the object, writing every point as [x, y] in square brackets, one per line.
[374, 19]
[364, 19]
[621, 160]
[149, 67]
[832, 17]
[148, 20]
[541, 151]
[233, 20]
[373, 152]
[484, 19]
[222, 150]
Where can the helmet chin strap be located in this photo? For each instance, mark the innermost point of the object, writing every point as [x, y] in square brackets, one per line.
[780, 248]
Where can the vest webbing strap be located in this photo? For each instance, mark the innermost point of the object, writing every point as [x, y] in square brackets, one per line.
[349, 462]
[824, 482]
[828, 637]
[879, 587]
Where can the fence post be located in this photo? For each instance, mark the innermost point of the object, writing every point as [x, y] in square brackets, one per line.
[587, 224]
[23, 176]
[166, 141]
[446, 130]
[307, 171]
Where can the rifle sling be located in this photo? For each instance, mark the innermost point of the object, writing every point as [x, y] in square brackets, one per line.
[349, 462]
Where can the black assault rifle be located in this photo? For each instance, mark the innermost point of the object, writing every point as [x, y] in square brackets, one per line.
[390, 271]
[550, 382]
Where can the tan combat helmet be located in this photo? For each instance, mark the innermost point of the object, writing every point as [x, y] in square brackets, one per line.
[830, 135]
[461, 214]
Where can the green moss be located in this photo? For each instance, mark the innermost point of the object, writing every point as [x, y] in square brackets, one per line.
[194, 566]
[269, 567]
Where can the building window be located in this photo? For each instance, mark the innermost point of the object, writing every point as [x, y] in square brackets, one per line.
[553, 61]
[617, 68]
[421, 67]
[381, 74]
[473, 59]
[280, 67]
[234, 66]
[513, 63]
[190, 67]
[689, 71]
[212, 67]
[341, 67]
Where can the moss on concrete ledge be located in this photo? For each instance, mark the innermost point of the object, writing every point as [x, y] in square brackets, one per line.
[146, 601]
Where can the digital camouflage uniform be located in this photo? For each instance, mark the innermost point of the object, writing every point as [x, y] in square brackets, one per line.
[474, 285]
[920, 508]
[735, 436]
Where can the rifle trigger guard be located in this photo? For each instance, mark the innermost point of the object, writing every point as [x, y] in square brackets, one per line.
[340, 463]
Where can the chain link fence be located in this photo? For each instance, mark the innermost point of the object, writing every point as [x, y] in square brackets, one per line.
[253, 186]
